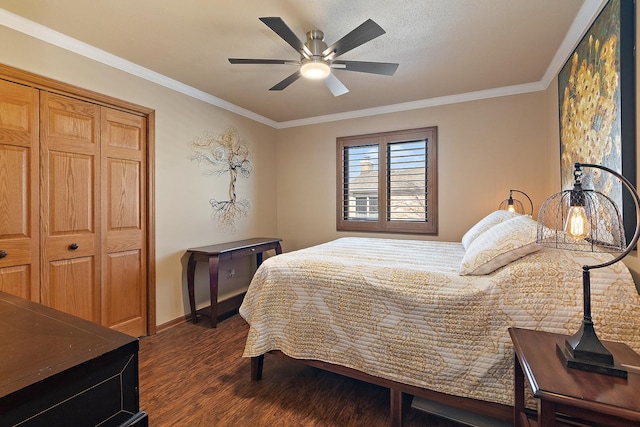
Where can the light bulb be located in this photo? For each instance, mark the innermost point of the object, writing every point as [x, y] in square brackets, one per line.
[577, 225]
[315, 69]
[511, 208]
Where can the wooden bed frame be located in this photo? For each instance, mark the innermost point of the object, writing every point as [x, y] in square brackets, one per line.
[489, 409]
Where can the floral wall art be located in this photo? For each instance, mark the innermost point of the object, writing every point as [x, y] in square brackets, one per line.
[596, 93]
[225, 155]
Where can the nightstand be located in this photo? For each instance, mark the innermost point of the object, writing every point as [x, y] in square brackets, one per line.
[567, 394]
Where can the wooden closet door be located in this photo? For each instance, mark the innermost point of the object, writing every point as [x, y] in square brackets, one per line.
[70, 205]
[124, 254]
[19, 228]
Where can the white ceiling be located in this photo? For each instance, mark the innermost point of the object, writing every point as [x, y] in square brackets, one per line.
[448, 50]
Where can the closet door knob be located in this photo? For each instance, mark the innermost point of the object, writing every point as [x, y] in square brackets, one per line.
[3, 253]
[73, 246]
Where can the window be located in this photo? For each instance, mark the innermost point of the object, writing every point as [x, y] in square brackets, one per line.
[367, 207]
[387, 182]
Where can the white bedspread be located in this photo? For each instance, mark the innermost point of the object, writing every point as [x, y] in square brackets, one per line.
[398, 309]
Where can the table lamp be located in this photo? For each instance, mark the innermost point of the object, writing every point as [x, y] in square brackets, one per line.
[515, 205]
[587, 220]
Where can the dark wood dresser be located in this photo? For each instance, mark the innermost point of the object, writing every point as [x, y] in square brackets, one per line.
[60, 370]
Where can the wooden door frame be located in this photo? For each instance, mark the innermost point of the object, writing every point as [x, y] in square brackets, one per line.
[44, 83]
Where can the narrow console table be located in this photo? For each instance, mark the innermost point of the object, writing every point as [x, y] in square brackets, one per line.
[569, 396]
[60, 370]
[213, 255]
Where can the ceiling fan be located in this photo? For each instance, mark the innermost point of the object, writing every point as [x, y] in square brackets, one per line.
[317, 59]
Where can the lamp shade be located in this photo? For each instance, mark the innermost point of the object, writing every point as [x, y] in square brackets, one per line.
[515, 205]
[512, 205]
[602, 229]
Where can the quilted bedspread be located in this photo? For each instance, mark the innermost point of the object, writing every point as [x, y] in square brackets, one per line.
[398, 309]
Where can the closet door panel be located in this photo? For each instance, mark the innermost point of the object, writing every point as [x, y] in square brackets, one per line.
[124, 272]
[71, 178]
[16, 280]
[71, 287]
[19, 229]
[15, 185]
[122, 306]
[70, 205]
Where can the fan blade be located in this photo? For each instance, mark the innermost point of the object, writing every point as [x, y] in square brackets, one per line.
[263, 61]
[367, 31]
[384, 68]
[335, 86]
[280, 28]
[286, 82]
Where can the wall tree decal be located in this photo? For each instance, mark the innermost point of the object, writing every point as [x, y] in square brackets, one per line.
[225, 153]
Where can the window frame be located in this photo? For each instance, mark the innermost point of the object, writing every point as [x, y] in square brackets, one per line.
[383, 224]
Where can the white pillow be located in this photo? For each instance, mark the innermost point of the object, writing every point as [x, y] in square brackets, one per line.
[486, 223]
[500, 245]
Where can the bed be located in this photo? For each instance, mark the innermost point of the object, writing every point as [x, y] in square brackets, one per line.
[431, 318]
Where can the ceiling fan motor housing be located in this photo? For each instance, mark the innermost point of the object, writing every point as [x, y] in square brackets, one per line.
[315, 43]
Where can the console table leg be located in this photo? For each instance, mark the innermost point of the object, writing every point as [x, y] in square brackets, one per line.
[191, 268]
[213, 289]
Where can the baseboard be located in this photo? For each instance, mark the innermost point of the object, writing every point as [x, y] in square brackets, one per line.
[226, 309]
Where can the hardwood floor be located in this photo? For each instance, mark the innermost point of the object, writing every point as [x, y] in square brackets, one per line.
[192, 375]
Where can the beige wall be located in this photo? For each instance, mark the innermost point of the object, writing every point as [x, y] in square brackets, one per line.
[183, 213]
[484, 149]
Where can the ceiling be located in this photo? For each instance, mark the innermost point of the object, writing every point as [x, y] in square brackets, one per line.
[447, 49]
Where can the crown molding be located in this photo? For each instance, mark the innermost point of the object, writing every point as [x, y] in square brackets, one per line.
[46, 34]
[585, 17]
[414, 105]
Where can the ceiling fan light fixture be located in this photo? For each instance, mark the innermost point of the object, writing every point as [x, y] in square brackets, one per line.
[317, 59]
[315, 69]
